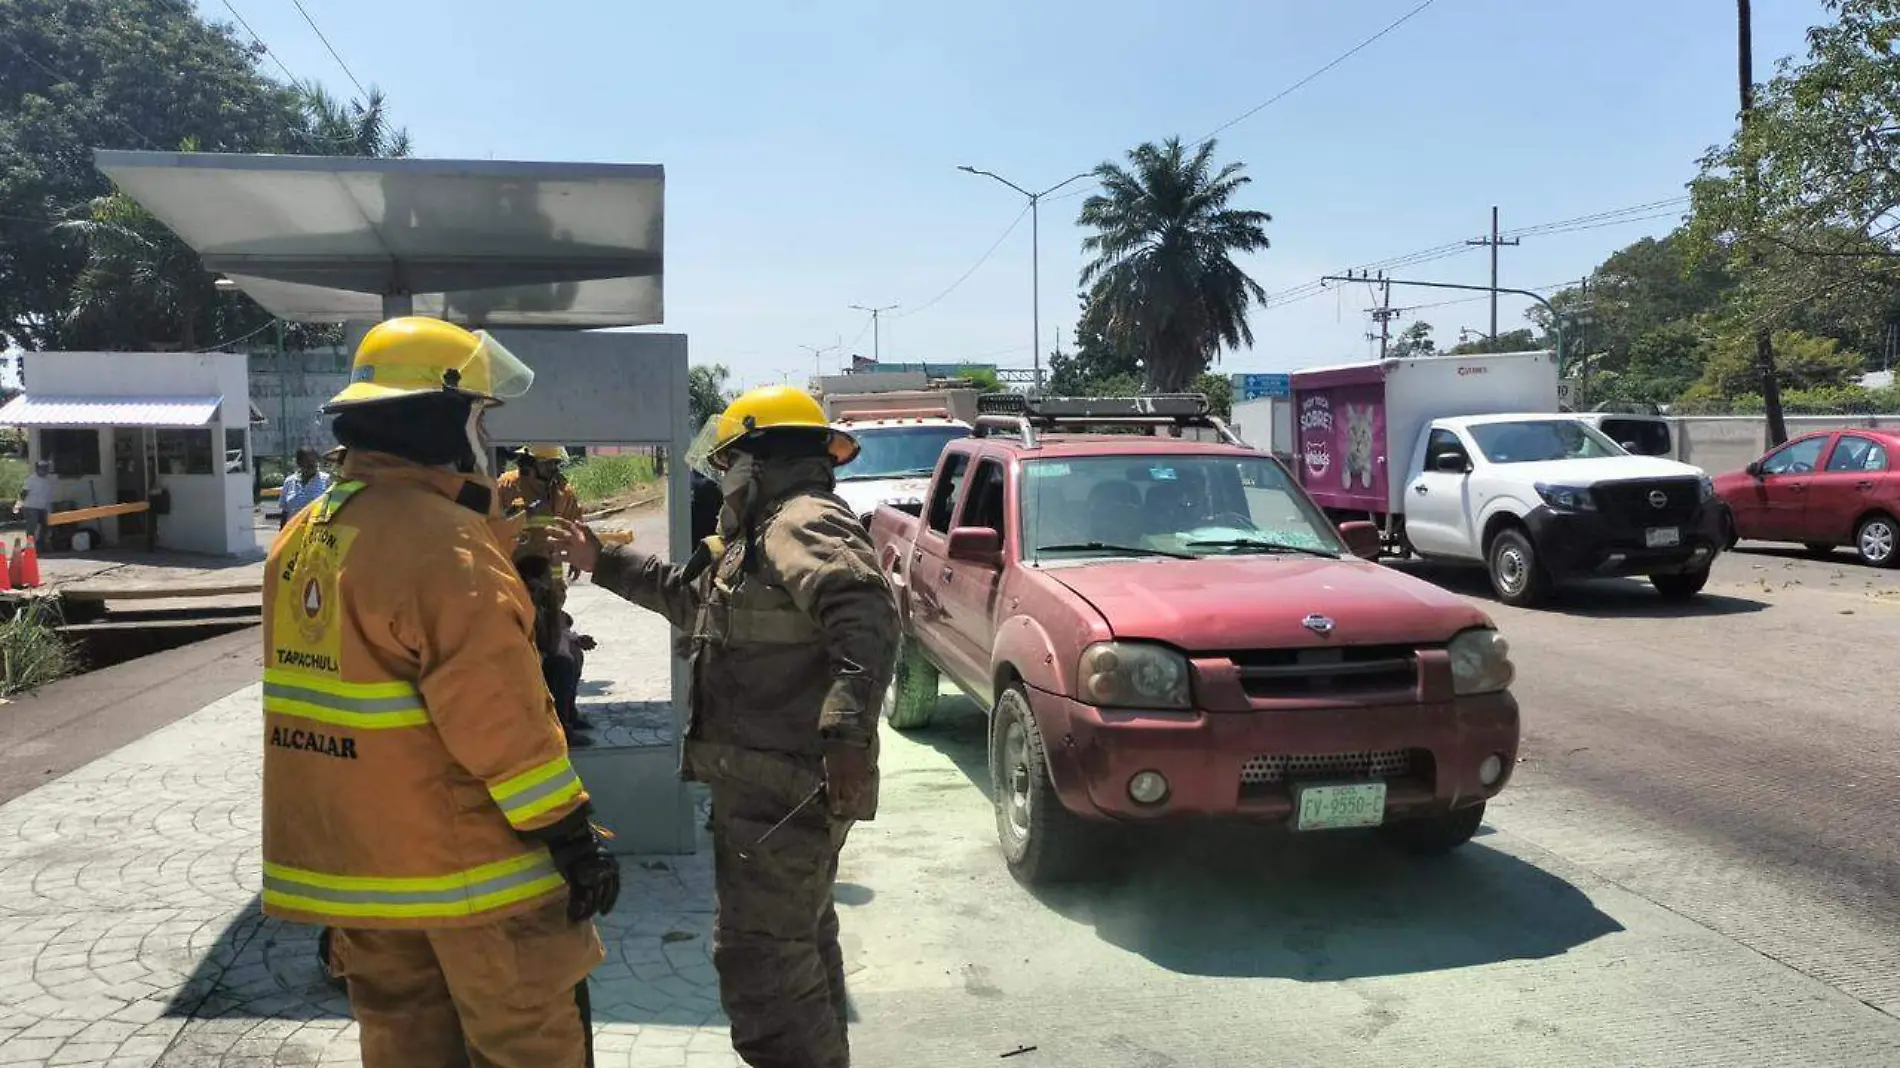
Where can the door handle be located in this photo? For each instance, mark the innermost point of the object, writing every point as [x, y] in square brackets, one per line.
[1421, 489]
[1865, 483]
[1797, 488]
[948, 574]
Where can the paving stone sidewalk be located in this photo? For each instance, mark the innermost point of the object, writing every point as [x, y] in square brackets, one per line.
[130, 934]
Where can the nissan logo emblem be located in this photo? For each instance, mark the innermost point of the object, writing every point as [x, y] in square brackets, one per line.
[1657, 498]
[1317, 623]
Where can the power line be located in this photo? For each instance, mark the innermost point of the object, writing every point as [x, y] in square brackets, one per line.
[260, 41]
[298, 4]
[1592, 221]
[1303, 82]
[981, 260]
[1296, 86]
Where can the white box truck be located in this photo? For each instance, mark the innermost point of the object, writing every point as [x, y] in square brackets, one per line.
[1467, 459]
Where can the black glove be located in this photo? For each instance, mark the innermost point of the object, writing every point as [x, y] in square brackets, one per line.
[592, 873]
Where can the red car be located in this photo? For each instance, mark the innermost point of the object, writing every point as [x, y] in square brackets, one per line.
[1166, 629]
[1835, 487]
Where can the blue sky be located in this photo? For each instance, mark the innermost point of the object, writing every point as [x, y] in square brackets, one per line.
[811, 149]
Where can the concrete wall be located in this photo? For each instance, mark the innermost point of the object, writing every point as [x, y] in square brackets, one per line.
[210, 513]
[1722, 443]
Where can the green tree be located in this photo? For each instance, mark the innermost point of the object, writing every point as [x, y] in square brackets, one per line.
[1164, 242]
[1219, 391]
[1414, 340]
[80, 74]
[1805, 362]
[1524, 340]
[706, 394]
[355, 128]
[1096, 356]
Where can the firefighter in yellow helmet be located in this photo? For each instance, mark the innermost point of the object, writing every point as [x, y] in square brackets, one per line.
[793, 635]
[418, 798]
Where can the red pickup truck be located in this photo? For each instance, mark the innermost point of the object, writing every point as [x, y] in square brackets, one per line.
[1165, 628]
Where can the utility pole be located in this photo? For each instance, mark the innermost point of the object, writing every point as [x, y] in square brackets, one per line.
[1556, 318]
[1383, 315]
[1751, 178]
[1495, 241]
[1583, 318]
[877, 353]
[1035, 258]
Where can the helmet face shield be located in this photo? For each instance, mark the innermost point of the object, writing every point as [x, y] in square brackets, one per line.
[699, 453]
[493, 370]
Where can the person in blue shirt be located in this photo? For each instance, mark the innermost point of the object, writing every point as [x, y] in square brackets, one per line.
[302, 486]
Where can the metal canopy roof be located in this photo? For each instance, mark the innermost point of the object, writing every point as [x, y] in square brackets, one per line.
[323, 239]
[162, 412]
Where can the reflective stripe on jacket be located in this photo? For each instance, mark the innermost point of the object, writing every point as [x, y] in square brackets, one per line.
[408, 736]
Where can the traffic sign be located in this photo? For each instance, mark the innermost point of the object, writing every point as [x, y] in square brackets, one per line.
[1255, 386]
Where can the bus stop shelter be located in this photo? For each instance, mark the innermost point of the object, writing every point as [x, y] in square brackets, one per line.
[541, 254]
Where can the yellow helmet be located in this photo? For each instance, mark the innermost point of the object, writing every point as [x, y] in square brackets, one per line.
[417, 355]
[543, 452]
[776, 408]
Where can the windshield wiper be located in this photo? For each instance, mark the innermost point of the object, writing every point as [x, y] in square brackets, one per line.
[1260, 544]
[1111, 547]
[914, 472]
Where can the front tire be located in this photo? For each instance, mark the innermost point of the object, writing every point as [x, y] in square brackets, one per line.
[1438, 834]
[911, 701]
[1877, 540]
[1043, 842]
[1518, 577]
[1680, 586]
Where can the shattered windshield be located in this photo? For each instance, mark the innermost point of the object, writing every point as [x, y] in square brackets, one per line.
[1179, 505]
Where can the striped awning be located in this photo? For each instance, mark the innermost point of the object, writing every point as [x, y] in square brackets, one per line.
[161, 412]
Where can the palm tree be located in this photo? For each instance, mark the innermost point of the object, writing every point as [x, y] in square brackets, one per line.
[1163, 270]
[358, 128]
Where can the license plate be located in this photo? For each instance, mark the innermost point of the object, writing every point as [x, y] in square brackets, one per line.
[1325, 808]
[1662, 537]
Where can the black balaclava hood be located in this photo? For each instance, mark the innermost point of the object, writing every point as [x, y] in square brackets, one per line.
[429, 429]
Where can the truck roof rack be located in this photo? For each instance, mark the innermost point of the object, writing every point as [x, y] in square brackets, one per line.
[1032, 416]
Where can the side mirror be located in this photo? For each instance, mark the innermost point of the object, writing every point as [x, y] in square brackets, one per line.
[1451, 463]
[975, 545]
[1753, 469]
[1362, 539]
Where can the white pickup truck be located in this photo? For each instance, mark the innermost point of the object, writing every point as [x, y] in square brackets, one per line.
[898, 452]
[1483, 469]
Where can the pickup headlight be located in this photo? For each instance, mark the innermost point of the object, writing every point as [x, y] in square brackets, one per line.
[1131, 675]
[1708, 489]
[1567, 498]
[1480, 662]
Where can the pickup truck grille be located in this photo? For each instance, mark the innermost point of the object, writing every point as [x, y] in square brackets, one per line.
[1630, 503]
[1281, 767]
[1328, 672]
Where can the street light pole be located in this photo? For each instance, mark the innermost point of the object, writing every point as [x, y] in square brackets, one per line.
[817, 356]
[1035, 257]
[877, 353]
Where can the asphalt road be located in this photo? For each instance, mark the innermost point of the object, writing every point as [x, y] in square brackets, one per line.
[1696, 865]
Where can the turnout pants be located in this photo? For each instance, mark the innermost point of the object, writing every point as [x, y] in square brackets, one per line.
[775, 936]
[511, 994]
